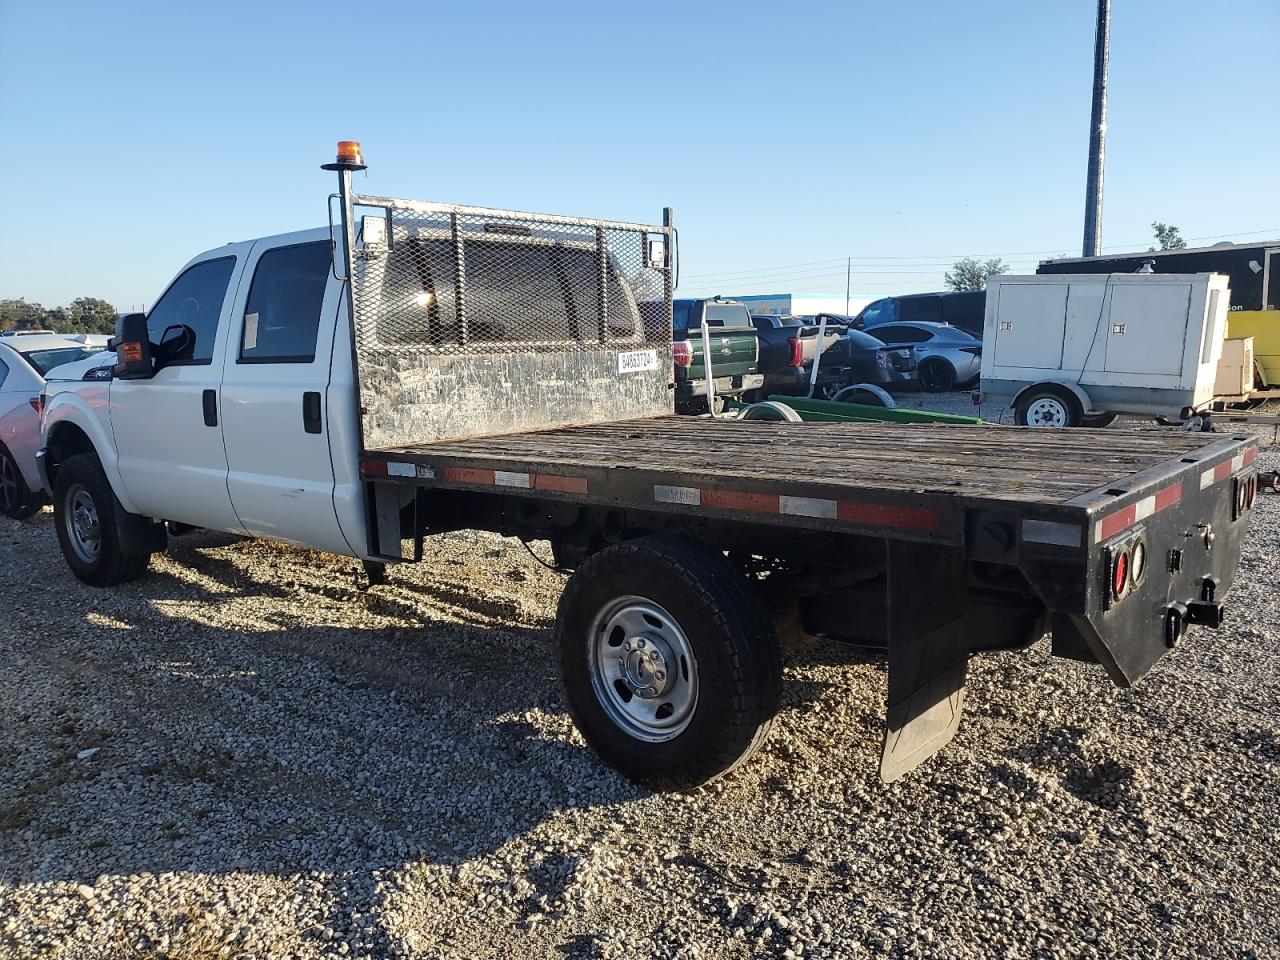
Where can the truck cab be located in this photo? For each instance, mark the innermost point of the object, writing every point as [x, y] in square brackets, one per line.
[245, 424]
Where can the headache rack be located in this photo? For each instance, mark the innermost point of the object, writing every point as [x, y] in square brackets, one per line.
[472, 322]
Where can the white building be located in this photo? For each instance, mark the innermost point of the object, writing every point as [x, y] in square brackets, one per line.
[799, 305]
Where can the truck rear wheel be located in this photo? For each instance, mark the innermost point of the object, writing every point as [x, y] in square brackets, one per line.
[669, 661]
[85, 510]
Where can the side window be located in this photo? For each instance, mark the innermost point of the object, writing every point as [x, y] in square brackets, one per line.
[282, 315]
[194, 299]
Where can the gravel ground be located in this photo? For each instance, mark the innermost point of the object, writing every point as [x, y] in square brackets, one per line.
[245, 754]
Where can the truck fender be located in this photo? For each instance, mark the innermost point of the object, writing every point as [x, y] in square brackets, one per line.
[1086, 404]
[71, 425]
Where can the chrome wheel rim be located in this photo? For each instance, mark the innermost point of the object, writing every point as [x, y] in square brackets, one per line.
[8, 484]
[1047, 412]
[80, 521]
[643, 671]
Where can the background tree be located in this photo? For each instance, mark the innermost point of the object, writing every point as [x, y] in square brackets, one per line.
[971, 274]
[91, 315]
[82, 315]
[1167, 236]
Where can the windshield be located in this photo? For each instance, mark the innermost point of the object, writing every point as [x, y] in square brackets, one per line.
[46, 360]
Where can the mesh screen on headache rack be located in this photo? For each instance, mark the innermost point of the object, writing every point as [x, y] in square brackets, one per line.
[526, 285]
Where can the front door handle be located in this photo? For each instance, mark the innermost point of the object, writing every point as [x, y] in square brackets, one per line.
[311, 411]
[210, 399]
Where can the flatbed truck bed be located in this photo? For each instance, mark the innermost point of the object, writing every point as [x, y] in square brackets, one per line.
[513, 373]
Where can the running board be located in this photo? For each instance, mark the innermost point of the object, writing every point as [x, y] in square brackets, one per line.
[928, 654]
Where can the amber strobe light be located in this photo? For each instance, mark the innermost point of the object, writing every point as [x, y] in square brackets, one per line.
[349, 152]
[131, 352]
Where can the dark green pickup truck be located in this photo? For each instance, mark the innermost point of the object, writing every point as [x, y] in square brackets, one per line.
[735, 352]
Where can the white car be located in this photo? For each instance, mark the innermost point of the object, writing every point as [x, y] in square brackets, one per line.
[24, 362]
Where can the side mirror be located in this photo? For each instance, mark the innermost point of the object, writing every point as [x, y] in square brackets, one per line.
[176, 343]
[133, 349]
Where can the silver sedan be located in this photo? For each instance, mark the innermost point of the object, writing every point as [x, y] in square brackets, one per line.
[945, 356]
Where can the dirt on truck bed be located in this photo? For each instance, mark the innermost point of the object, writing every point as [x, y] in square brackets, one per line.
[245, 754]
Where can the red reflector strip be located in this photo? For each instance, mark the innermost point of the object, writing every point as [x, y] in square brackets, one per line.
[740, 500]
[1226, 468]
[373, 468]
[849, 511]
[1126, 517]
[884, 515]
[1109, 526]
[558, 484]
[468, 475]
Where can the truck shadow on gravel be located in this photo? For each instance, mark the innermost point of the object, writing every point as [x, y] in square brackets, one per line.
[243, 735]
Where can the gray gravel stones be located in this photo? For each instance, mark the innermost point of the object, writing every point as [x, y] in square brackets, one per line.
[289, 765]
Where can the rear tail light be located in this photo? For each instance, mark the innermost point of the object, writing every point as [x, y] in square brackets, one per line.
[37, 403]
[1120, 575]
[1127, 566]
[976, 398]
[1246, 493]
[797, 352]
[974, 351]
[682, 353]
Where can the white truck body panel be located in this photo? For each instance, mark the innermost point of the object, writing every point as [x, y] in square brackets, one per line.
[257, 470]
[1141, 343]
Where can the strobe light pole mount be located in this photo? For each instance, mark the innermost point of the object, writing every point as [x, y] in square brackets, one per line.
[350, 158]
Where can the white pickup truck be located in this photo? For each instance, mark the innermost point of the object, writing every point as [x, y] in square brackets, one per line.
[422, 367]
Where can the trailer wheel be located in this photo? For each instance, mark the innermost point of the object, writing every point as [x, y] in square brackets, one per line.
[84, 512]
[868, 394]
[669, 661]
[771, 410]
[1048, 406]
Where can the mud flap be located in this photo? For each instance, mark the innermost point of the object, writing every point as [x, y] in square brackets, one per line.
[928, 653]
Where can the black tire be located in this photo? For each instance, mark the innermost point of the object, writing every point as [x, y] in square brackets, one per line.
[17, 500]
[1028, 400]
[867, 394]
[937, 376]
[79, 477]
[1099, 420]
[771, 410]
[735, 658]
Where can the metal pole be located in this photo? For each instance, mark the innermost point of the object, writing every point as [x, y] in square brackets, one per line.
[706, 368]
[1097, 131]
[848, 278]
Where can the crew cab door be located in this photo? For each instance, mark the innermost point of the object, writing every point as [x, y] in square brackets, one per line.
[274, 385]
[167, 428]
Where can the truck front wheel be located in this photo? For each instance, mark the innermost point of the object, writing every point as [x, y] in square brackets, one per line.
[85, 509]
[669, 661]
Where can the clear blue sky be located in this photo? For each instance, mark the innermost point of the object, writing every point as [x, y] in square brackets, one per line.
[784, 134]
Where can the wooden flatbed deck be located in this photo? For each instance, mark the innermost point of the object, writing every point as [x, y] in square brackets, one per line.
[984, 462]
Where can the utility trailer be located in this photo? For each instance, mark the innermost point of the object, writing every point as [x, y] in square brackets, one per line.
[696, 543]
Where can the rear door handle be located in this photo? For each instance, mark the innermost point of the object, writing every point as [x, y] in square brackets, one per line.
[210, 399]
[311, 411]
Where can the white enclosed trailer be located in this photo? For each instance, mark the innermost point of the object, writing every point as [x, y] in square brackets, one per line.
[1078, 350]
